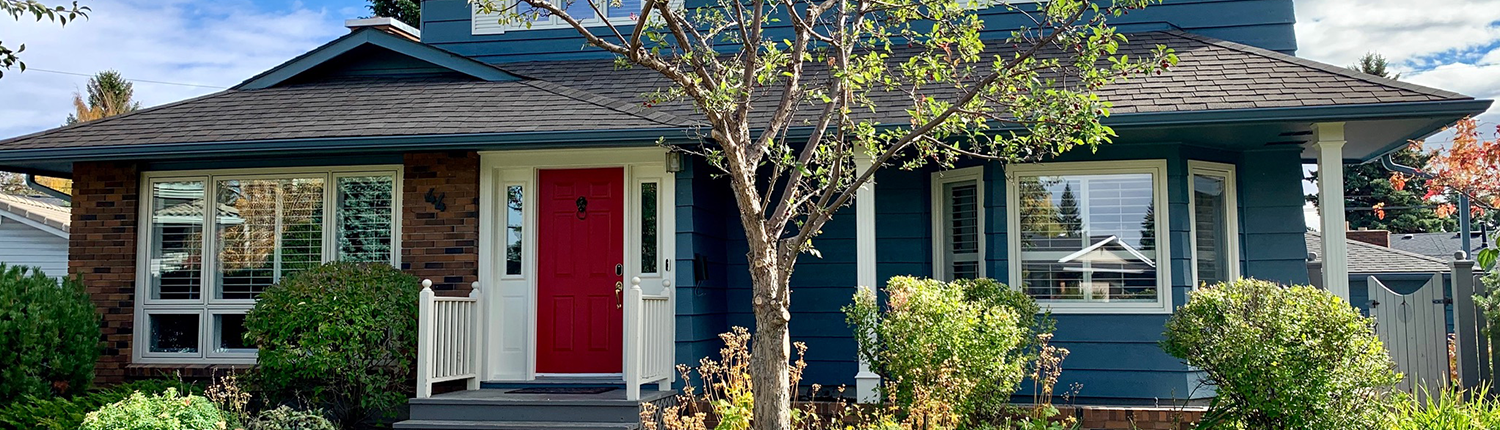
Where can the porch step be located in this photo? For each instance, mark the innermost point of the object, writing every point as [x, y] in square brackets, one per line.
[613, 382]
[488, 407]
[509, 425]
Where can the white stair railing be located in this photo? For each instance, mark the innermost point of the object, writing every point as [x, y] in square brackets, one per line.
[650, 333]
[447, 339]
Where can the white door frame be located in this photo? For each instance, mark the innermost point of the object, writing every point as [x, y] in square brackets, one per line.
[509, 329]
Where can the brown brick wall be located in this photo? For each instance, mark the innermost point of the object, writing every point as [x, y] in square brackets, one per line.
[1373, 237]
[1135, 418]
[441, 245]
[102, 248]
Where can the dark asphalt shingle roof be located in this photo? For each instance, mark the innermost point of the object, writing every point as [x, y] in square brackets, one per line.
[356, 108]
[1368, 258]
[1436, 245]
[592, 95]
[1212, 74]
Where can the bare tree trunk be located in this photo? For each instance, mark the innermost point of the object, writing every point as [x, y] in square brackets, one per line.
[770, 347]
[769, 370]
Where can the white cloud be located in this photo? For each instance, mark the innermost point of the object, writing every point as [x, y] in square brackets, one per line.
[1448, 44]
[1340, 31]
[217, 44]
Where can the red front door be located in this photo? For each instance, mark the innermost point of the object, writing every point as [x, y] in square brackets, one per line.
[581, 243]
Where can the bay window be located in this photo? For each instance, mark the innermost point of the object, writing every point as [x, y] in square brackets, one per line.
[260, 225]
[1090, 236]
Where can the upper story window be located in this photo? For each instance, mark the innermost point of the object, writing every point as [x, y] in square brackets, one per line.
[1088, 236]
[215, 240]
[958, 214]
[623, 13]
[1215, 223]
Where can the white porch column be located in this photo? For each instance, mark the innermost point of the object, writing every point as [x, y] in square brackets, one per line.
[865, 382]
[1330, 146]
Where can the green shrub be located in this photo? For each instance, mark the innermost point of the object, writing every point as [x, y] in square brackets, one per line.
[1283, 357]
[946, 349]
[1450, 409]
[341, 336]
[50, 335]
[66, 413]
[286, 418]
[165, 411]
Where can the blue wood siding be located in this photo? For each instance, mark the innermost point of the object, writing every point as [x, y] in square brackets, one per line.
[1264, 23]
[1272, 225]
[701, 263]
[1115, 357]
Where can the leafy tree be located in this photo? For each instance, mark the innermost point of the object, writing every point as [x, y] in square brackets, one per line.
[406, 11]
[109, 94]
[1468, 167]
[784, 88]
[24, 8]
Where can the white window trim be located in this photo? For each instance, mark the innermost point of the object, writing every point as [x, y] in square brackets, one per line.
[510, 300]
[1232, 218]
[1158, 171]
[481, 23]
[940, 229]
[206, 306]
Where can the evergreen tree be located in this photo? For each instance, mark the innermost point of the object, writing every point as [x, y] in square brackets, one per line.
[406, 11]
[1068, 215]
[1367, 185]
[1148, 228]
[109, 94]
[1374, 64]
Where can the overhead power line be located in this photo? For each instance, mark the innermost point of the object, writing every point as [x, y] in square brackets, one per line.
[87, 75]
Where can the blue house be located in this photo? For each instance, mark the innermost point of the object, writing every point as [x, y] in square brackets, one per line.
[511, 159]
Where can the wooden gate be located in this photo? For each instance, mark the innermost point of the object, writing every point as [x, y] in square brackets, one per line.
[1414, 328]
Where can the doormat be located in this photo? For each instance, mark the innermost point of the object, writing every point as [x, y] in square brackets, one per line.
[562, 390]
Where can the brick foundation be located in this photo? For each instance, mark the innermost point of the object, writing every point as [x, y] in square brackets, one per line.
[1133, 418]
[441, 245]
[102, 248]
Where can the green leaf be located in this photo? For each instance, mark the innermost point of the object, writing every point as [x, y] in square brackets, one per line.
[1486, 258]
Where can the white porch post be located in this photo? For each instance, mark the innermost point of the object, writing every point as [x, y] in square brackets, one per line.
[865, 382]
[1330, 146]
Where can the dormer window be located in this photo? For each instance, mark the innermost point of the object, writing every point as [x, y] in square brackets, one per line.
[624, 14]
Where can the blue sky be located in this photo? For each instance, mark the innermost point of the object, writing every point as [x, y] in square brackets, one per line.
[1450, 44]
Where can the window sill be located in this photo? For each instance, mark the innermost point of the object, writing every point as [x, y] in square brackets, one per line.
[1104, 308]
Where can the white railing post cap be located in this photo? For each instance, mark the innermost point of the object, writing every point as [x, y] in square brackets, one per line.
[426, 283]
[474, 285]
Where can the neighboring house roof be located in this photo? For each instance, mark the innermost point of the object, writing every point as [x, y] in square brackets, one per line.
[45, 213]
[1366, 258]
[1437, 245]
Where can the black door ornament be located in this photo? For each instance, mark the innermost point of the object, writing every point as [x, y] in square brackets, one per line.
[583, 207]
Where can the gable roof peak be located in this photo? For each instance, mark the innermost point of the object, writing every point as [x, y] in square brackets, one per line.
[373, 36]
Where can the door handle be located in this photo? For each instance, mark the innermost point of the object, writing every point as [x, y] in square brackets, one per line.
[619, 288]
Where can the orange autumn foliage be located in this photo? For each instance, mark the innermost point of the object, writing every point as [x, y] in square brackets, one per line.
[1469, 166]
